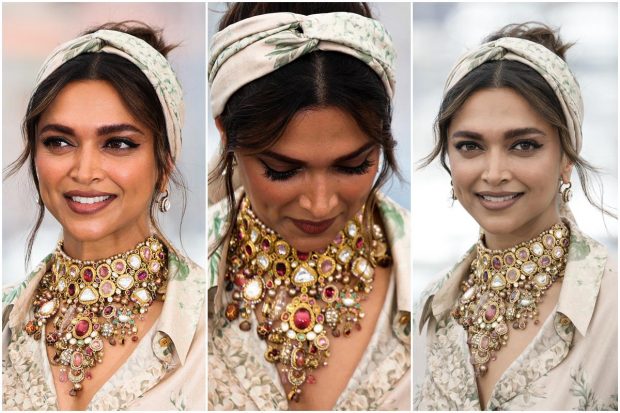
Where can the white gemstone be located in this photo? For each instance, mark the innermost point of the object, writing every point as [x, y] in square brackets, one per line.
[253, 289]
[468, 295]
[88, 294]
[291, 334]
[263, 261]
[87, 340]
[134, 261]
[254, 235]
[154, 266]
[348, 301]
[311, 336]
[304, 275]
[62, 284]
[558, 252]
[344, 256]
[525, 302]
[542, 279]
[352, 229]
[498, 281]
[124, 281]
[284, 326]
[529, 267]
[123, 318]
[281, 249]
[48, 308]
[318, 328]
[538, 249]
[558, 233]
[142, 295]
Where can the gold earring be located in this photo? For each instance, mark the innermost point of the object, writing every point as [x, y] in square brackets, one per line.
[565, 190]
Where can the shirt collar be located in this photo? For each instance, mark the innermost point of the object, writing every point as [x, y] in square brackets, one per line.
[184, 303]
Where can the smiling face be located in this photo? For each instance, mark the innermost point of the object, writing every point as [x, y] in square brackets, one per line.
[315, 178]
[506, 163]
[96, 169]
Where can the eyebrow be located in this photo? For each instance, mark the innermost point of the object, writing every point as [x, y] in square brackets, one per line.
[510, 134]
[343, 158]
[101, 131]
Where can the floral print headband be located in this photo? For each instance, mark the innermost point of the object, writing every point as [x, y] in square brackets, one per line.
[550, 66]
[257, 46]
[153, 64]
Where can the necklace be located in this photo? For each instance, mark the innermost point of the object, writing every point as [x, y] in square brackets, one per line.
[301, 296]
[90, 301]
[505, 287]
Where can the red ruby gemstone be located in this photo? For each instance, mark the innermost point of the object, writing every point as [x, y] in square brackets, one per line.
[89, 351]
[88, 275]
[108, 310]
[281, 269]
[266, 244]
[240, 280]
[300, 358]
[104, 272]
[302, 319]
[161, 255]
[329, 292]
[302, 255]
[71, 289]
[359, 243]
[81, 328]
[490, 313]
[496, 263]
[248, 250]
[142, 275]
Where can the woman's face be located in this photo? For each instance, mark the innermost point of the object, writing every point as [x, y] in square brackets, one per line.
[315, 178]
[506, 163]
[96, 166]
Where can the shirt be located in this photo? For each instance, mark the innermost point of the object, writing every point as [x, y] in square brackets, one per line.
[571, 364]
[165, 371]
[241, 379]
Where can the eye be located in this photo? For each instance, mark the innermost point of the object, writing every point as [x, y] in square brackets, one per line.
[56, 143]
[276, 175]
[360, 169]
[467, 146]
[120, 144]
[526, 146]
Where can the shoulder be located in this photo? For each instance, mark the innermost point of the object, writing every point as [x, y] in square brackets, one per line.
[395, 217]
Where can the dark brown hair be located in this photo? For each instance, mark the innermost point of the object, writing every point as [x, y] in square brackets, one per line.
[527, 82]
[134, 88]
[256, 116]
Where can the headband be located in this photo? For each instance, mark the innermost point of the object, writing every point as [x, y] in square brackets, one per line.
[257, 46]
[152, 63]
[549, 65]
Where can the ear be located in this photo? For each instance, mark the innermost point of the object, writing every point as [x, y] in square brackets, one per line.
[567, 170]
[166, 178]
[220, 129]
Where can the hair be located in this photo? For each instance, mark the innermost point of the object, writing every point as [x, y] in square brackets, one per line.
[528, 83]
[257, 115]
[136, 91]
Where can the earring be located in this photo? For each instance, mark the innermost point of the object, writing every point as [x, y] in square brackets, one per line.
[164, 202]
[566, 192]
[452, 195]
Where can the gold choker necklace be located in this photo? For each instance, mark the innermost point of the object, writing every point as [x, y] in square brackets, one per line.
[300, 295]
[504, 289]
[88, 300]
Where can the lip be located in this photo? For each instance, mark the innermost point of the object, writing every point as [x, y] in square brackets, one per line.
[496, 201]
[313, 227]
[88, 202]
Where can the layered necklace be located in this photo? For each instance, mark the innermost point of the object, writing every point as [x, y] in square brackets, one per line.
[302, 296]
[92, 301]
[504, 288]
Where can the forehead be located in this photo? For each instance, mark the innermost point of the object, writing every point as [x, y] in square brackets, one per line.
[320, 134]
[496, 109]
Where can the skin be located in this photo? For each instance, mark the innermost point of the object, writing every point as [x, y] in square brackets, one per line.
[318, 140]
[499, 144]
[81, 147]
[313, 147]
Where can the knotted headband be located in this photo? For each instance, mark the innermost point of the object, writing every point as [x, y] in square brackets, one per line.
[549, 65]
[257, 46]
[152, 63]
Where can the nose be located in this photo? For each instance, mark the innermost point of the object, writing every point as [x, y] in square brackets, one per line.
[86, 166]
[319, 197]
[496, 168]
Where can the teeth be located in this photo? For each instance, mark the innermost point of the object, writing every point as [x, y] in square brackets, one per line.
[89, 200]
[499, 198]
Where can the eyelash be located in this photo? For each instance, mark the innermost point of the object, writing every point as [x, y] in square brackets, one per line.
[463, 146]
[274, 175]
[111, 144]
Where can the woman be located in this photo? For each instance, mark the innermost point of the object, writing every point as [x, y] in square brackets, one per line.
[89, 328]
[308, 266]
[527, 320]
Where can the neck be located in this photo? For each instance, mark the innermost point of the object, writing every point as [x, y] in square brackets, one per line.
[105, 247]
[502, 241]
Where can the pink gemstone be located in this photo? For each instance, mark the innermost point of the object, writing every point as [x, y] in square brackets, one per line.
[77, 359]
[108, 310]
[320, 318]
[63, 376]
[523, 255]
[89, 375]
[509, 259]
[302, 255]
[359, 243]
[545, 261]
[300, 358]
[107, 288]
[338, 239]
[322, 341]
[266, 244]
[161, 255]
[484, 343]
[301, 318]
[96, 326]
[142, 275]
[280, 269]
[326, 266]
[146, 252]
[103, 272]
[497, 263]
[89, 351]
[490, 313]
[329, 292]
[81, 328]
[119, 266]
[485, 276]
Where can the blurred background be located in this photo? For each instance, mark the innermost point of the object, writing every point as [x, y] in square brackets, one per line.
[29, 33]
[396, 18]
[444, 31]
